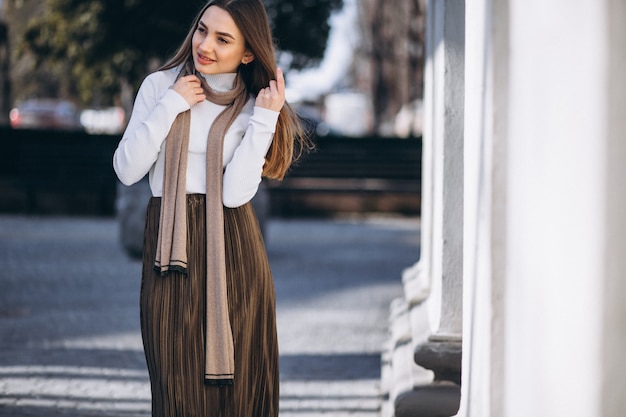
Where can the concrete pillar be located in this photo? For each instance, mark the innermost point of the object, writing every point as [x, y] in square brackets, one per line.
[544, 262]
[486, 102]
[447, 172]
[565, 245]
[428, 319]
[441, 351]
[613, 317]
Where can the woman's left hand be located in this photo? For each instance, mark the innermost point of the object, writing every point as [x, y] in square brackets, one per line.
[273, 97]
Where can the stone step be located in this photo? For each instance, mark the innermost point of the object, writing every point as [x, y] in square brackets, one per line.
[409, 390]
[399, 372]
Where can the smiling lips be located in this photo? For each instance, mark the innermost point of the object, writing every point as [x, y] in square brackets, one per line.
[204, 60]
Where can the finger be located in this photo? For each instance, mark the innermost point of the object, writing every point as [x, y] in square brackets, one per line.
[273, 86]
[280, 81]
[192, 80]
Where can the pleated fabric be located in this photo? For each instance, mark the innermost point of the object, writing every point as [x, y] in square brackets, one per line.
[173, 314]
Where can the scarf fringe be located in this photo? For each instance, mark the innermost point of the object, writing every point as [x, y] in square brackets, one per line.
[218, 382]
[164, 271]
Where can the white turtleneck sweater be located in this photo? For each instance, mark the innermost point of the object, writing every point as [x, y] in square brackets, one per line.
[142, 148]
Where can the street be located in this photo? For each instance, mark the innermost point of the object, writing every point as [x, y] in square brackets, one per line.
[69, 316]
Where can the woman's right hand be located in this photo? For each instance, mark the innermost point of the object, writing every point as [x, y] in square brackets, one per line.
[190, 89]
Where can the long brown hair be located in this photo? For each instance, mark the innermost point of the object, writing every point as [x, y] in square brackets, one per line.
[251, 19]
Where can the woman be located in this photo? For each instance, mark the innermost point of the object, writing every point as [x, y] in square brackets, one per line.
[206, 127]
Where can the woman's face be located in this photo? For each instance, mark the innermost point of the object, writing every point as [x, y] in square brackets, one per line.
[218, 46]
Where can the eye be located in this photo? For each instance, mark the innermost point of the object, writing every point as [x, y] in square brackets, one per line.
[201, 30]
[222, 40]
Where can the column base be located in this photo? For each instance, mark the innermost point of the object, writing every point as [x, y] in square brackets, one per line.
[411, 387]
[438, 399]
[442, 356]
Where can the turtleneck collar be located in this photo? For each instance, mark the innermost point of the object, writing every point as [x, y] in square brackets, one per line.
[221, 82]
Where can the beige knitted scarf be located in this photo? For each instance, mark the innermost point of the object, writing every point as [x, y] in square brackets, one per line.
[172, 239]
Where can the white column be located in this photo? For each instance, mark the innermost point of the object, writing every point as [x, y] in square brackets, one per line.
[485, 198]
[416, 279]
[431, 309]
[614, 314]
[557, 201]
[438, 275]
[544, 262]
[443, 252]
[565, 262]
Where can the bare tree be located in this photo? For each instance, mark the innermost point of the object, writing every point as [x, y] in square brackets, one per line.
[393, 34]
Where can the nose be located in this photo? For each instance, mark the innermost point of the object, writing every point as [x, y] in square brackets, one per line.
[206, 45]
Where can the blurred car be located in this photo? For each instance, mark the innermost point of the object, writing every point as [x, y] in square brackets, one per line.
[46, 113]
[108, 121]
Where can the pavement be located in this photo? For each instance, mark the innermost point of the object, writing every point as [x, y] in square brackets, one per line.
[70, 342]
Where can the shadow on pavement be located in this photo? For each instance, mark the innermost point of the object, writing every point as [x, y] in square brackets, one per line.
[330, 367]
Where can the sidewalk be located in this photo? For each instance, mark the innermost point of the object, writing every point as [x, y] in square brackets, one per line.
[69, 325]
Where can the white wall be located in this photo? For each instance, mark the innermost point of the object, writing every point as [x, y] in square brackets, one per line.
[545, 209]
[556, 201]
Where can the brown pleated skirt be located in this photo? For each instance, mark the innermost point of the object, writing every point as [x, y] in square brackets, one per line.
[173, 314]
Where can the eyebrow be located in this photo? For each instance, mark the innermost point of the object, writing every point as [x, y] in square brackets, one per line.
[223, 34]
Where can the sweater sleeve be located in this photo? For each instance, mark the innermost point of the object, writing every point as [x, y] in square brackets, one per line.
[155, 109]
[243, 173]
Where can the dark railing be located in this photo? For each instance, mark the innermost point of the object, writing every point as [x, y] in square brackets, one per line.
[369, 174]
[71, 173]
[57, 172]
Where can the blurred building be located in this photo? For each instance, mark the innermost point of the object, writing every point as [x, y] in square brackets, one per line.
[515, 308]
[373, 65]
[389, 63]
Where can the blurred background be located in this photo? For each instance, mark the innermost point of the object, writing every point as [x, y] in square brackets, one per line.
[69, 71]
[346, 65]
